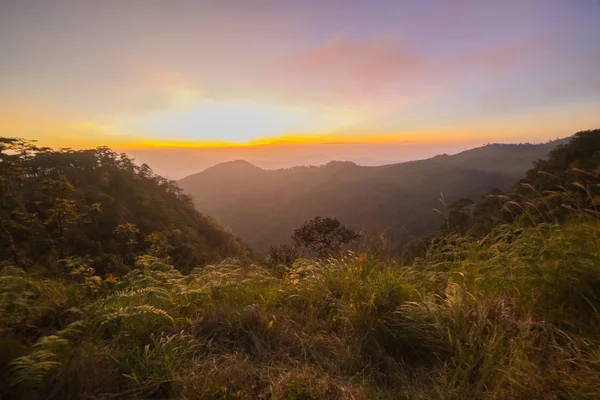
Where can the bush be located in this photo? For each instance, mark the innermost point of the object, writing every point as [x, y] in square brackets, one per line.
[511, 317]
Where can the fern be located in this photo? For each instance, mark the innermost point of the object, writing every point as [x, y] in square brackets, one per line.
[33, 368]
[152, 295]
[10, 270]
[16, 293]
[194, 295]
[152, 263]
[53, 343]
[136, 318]
[74, 330]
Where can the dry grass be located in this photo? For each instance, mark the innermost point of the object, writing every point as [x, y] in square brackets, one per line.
[513, 317]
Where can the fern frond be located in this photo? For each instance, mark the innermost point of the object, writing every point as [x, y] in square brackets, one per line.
[145, 295]
[12, 271]
[33, 368]
[74, 330]
[135, 317]
[53, 343]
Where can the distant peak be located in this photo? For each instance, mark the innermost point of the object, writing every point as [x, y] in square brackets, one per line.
[241, 163]
[235, 165]
[238, 168]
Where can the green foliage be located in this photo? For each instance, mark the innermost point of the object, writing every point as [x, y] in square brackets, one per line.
[282, 255]
[323, 237]
[56, 204]
[457, 215]
[514, 316]
[567, 182]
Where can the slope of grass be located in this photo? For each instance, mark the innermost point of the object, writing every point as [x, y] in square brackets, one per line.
[512, 317]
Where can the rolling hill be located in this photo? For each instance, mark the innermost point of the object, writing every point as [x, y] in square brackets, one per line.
[263, 207]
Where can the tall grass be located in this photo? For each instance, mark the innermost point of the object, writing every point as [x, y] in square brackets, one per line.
[515, 316]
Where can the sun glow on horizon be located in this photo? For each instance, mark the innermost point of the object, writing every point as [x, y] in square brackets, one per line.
[377, 75]
[235, 122]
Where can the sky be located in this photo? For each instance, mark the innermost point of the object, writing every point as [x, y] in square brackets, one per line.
[293, 81]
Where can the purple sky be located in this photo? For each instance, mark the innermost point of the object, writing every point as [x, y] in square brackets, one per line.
[154, 73]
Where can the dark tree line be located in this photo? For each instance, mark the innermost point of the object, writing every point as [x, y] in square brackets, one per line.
[98, 204]
[568, 180]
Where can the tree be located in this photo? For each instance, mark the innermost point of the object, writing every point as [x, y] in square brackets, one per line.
[282, 255]
[458, 215]
[323, 236]
[127, 235]
[159, 245]
[488, 212]
[63, 211]
[14, 153]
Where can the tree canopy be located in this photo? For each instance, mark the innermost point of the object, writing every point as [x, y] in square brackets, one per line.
[323, 236]
[98, 204]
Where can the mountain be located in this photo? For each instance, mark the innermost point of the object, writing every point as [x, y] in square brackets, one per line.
[263, 207]
[508, 159]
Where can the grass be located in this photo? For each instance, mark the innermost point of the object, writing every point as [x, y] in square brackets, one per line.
[515, 316]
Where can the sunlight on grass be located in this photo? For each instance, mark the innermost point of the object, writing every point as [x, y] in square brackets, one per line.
[509, 319]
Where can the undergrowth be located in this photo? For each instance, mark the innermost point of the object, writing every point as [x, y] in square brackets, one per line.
[513, 316]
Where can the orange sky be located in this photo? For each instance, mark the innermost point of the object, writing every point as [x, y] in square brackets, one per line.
[155, 75]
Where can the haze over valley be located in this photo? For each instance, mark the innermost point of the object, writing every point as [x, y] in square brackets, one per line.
[177, 163]
[264, 206]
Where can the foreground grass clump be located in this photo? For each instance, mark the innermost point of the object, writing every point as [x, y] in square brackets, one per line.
[514, 316]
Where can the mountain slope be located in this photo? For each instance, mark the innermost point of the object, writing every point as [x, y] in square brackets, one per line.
[98, 204]
[264, 206]
[507, 159]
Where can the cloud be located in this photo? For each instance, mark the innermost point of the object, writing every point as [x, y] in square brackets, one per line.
[343, 67]
[502, 60]
[544, 76]
[386, 77]
[382, 72]
[439, 64]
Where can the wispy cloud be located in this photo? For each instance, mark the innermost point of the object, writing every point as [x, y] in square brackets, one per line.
[349, 67]
[346, 69]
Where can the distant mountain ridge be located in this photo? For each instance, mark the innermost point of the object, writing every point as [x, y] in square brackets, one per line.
[509, 159]
[263, 206]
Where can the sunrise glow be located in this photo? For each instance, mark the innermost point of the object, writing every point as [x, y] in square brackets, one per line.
[287, 74]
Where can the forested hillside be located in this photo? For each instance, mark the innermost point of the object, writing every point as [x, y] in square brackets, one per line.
[507, 159]
[506, 312]
[97, 204]
[264, 206]
[567, 180]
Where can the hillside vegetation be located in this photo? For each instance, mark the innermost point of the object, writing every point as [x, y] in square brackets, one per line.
[510, 315]
[567, 180]
[507, 159]
[264, 206]
[97, 204]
